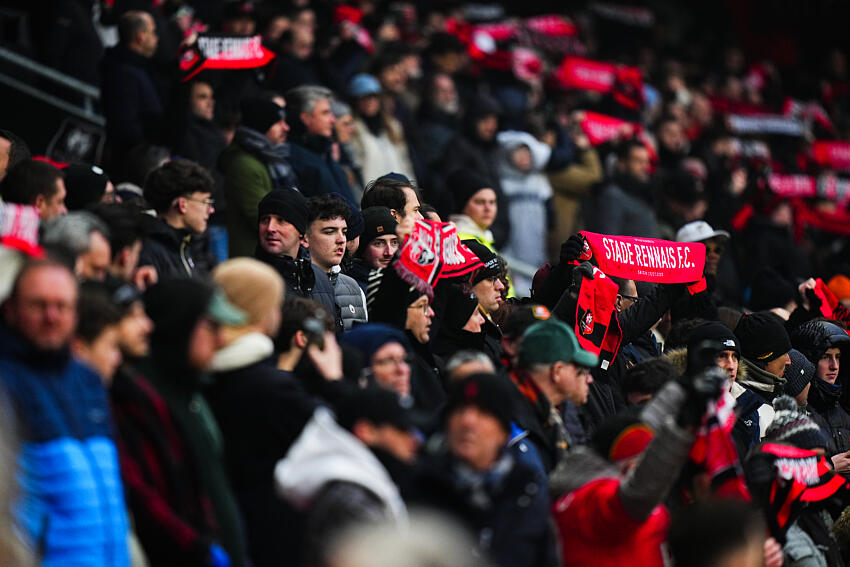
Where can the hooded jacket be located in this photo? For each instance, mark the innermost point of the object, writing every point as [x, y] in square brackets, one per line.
[261, 411]
[71, 506]
[174, 252]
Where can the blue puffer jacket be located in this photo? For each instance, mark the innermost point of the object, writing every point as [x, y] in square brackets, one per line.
[72, 501]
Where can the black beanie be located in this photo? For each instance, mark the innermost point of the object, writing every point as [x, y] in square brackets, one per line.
[85, 185]
[289, 204]
[715, 331]
[463, 184]
[260, 114]
[799, 373]
[763, 337]
[770, 290]
[377, 221]
[355, 224]
[486, 392]
[458, 309]
[491, 261]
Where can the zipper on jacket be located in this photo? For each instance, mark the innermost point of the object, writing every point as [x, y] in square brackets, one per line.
[186, 264]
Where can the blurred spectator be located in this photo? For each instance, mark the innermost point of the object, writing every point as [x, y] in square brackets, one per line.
[76, 513]
[96, 340]
[386, 357]
[396, 192]
[84, 238]
[126, 224]
[181, 194]
[256, 162]
[311, 122]
[343, 133]
[38, 184]
[13, 150]
[475, 206]
[87, 185]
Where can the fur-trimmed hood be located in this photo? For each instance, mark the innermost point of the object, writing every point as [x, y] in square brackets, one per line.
[679, 358]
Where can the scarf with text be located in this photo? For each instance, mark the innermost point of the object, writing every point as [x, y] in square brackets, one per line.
[806, 186]
[431, 252]
[584, 74]
[832, 154]
[766, 124]
[212, 51]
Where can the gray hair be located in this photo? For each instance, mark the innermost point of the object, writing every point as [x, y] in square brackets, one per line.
[304, 98]
[340, 109]
[72, 232]
[461, 357]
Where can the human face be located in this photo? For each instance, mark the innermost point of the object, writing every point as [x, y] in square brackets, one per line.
[196, 210]
[411, 204]
[713, 251]
[419, 316]
[777, 367]
[727, 360]
[475, 437]
[487, 127]
[829, 364]
[103, 354]
[44, 307]
[344, 127]
[278, 131]
[201, 101]
[5, 149]
[637, 164]
[628, 298]
[321, 120]
[671, 136]
[203, 344]
[352, 245]
[125, 262]
[279, 237]
[369, 105]
[326, 240]
[53, 206]
[482, 208]
[476, 320]
[380, 251]
[147, 38]
[94, 264]
[489, 293]
[400, 443]
[394, 78]
[445, 94]
[574, 381]
[391, 369]
[134, 331]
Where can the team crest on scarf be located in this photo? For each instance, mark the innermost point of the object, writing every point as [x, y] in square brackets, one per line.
[586, 252]
[587, 324]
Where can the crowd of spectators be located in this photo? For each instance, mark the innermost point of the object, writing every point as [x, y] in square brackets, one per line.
[333, 297]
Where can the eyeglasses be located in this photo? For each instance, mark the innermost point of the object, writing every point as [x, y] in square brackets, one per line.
[210, 203]
[424, 307]
[634, 298]
[384, 362]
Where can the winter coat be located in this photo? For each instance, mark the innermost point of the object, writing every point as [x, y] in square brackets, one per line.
[338, 481]
[543, 424]
[378, 154]
[261, 411]
[71, 507]
[526, 194]
[760, 381]
[246, 182]
[174, 252]
[607, 520]
[317, 172]
[800, 551]
[349, 298]
[826, 409]
[131, 104]
[171, 511]
[506, 508]
[617, 209]
[569, 185]
[304, 279]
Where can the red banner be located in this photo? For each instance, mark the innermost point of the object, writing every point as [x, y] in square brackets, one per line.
[601, 128]
[805, 186]
[647, 259]
[589, 75]
[224, 52]
[834, 155]
[19, 229]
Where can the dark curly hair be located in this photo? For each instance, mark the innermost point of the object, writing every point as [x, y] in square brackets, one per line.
[175, 179]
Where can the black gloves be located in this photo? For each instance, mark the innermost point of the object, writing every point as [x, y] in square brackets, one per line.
[703, 381]
[571, 249]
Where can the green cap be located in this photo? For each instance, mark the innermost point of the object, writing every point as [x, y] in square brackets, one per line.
[223, 312]
[550, 341]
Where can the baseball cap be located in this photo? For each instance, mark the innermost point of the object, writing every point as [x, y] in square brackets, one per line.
[363, 85]
[550, 341]
[698, 231]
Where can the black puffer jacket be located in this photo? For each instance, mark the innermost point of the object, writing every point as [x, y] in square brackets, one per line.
[175, 252]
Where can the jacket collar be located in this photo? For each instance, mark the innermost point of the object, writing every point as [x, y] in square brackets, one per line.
[244, 351]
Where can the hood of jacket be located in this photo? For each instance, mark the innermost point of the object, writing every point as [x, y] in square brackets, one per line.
[244, 351]
[324, 453]
[163, 232]
[510, 140]
[757, 379]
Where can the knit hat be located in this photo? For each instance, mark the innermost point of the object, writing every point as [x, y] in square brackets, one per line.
[488, 393]
[799, 374]
[714, 331]
[367, 339]
[458, 309]
[377, 221]
[770, 290]
[355, 224]
[362, 85]
[621, 437]
[252, 286]
[491, 267]
[791, 426]
[376, 405]
[289, 204]
[521, 318]
[552, 340]
[393, 176]
[463, 184]
[840, 286]
[85, 185]
[260, 114]
[763, 337]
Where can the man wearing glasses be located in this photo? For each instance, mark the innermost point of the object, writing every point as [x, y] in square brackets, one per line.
[181, 194]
